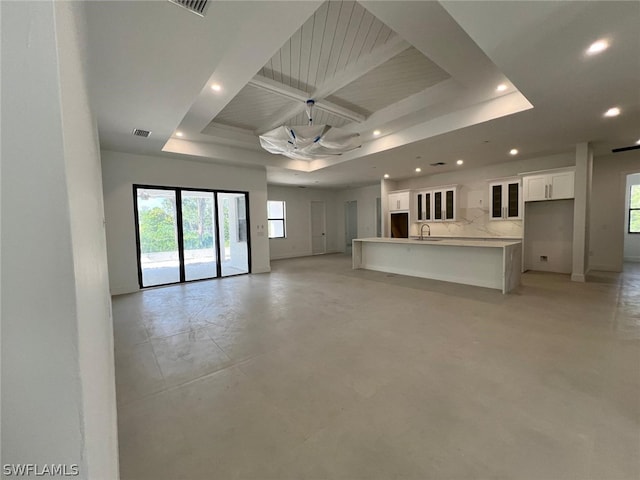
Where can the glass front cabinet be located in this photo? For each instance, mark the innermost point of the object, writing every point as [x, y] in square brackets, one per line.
[438, 204]
[505, 199]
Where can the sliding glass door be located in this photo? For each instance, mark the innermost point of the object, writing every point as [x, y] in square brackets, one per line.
[158, 255]
[198, 222]
[232, 218]
[187, 234]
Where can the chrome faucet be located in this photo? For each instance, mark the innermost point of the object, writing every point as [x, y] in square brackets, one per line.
[422, 230]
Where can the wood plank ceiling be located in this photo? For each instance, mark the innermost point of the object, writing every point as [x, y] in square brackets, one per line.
[342, 55]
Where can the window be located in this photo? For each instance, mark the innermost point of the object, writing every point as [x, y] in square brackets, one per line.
[276, 219]
[634, 209]
[186, 234]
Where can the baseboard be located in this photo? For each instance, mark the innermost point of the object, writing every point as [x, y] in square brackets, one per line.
[603, 268]
[303, 254]
[291, 255]
[578, 277]
[261, 270]
[123, 290]
[632, 259]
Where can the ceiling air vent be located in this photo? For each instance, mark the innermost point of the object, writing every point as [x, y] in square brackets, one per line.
[438, 164]
[196, 6]
[141, 133]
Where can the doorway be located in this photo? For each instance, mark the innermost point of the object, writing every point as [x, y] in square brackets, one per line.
[186, 234]
[318, 228]
[351, 224]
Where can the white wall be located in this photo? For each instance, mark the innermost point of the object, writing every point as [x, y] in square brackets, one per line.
[631, 241]
[120, 171]
[608, 208]
[473, 195]
[549, 227]
[58, 389]
[298, 241]
[366, 198]
[298, 220]
[86, 208]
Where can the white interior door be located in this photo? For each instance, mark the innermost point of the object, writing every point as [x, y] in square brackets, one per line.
[318, 228]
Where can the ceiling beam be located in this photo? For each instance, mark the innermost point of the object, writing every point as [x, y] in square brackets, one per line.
[365, 64]
[299, 95]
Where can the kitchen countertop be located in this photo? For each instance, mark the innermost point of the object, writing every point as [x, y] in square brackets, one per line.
[443, 241]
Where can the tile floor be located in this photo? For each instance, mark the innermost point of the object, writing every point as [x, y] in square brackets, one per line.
[316, 371]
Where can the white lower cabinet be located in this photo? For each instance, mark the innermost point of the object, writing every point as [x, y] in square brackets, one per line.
[549, 186]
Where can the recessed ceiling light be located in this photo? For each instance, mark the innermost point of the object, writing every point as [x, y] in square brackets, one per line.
[501, 88]
[612, 112]
[597, 47]
[460, 162]
[513, 151]
[418, 169]
[386, 175]
[216, 87]
[376, 132]
[179, 134]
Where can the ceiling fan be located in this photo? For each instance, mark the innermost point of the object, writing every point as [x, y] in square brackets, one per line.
[309, 142]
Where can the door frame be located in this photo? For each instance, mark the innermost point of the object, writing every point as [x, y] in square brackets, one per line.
[324, 225]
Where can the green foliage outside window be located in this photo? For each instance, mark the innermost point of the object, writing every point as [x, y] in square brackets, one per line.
[157, 231]
[197, 223]
[158, 225]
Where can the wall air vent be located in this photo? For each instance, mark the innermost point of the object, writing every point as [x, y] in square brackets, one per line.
[141, 133]
[196, 6]
[437, 164]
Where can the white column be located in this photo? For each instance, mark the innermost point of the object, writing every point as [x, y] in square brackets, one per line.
[386, 186]
[581, 209]
[58, 391]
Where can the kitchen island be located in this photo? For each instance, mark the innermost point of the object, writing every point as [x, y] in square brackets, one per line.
[491, 263]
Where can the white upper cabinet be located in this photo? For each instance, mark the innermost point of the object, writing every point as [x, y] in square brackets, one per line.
[438, 204]
[552, 185]
[505, 197]
[399, 201]
[535, 188]
[561, 185]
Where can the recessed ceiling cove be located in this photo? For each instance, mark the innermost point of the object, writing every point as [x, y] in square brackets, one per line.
[423, 75]
[367, 66]
[345, 59]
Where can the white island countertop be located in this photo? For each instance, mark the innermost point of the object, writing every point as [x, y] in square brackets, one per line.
[443, 241]
[483, 262]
